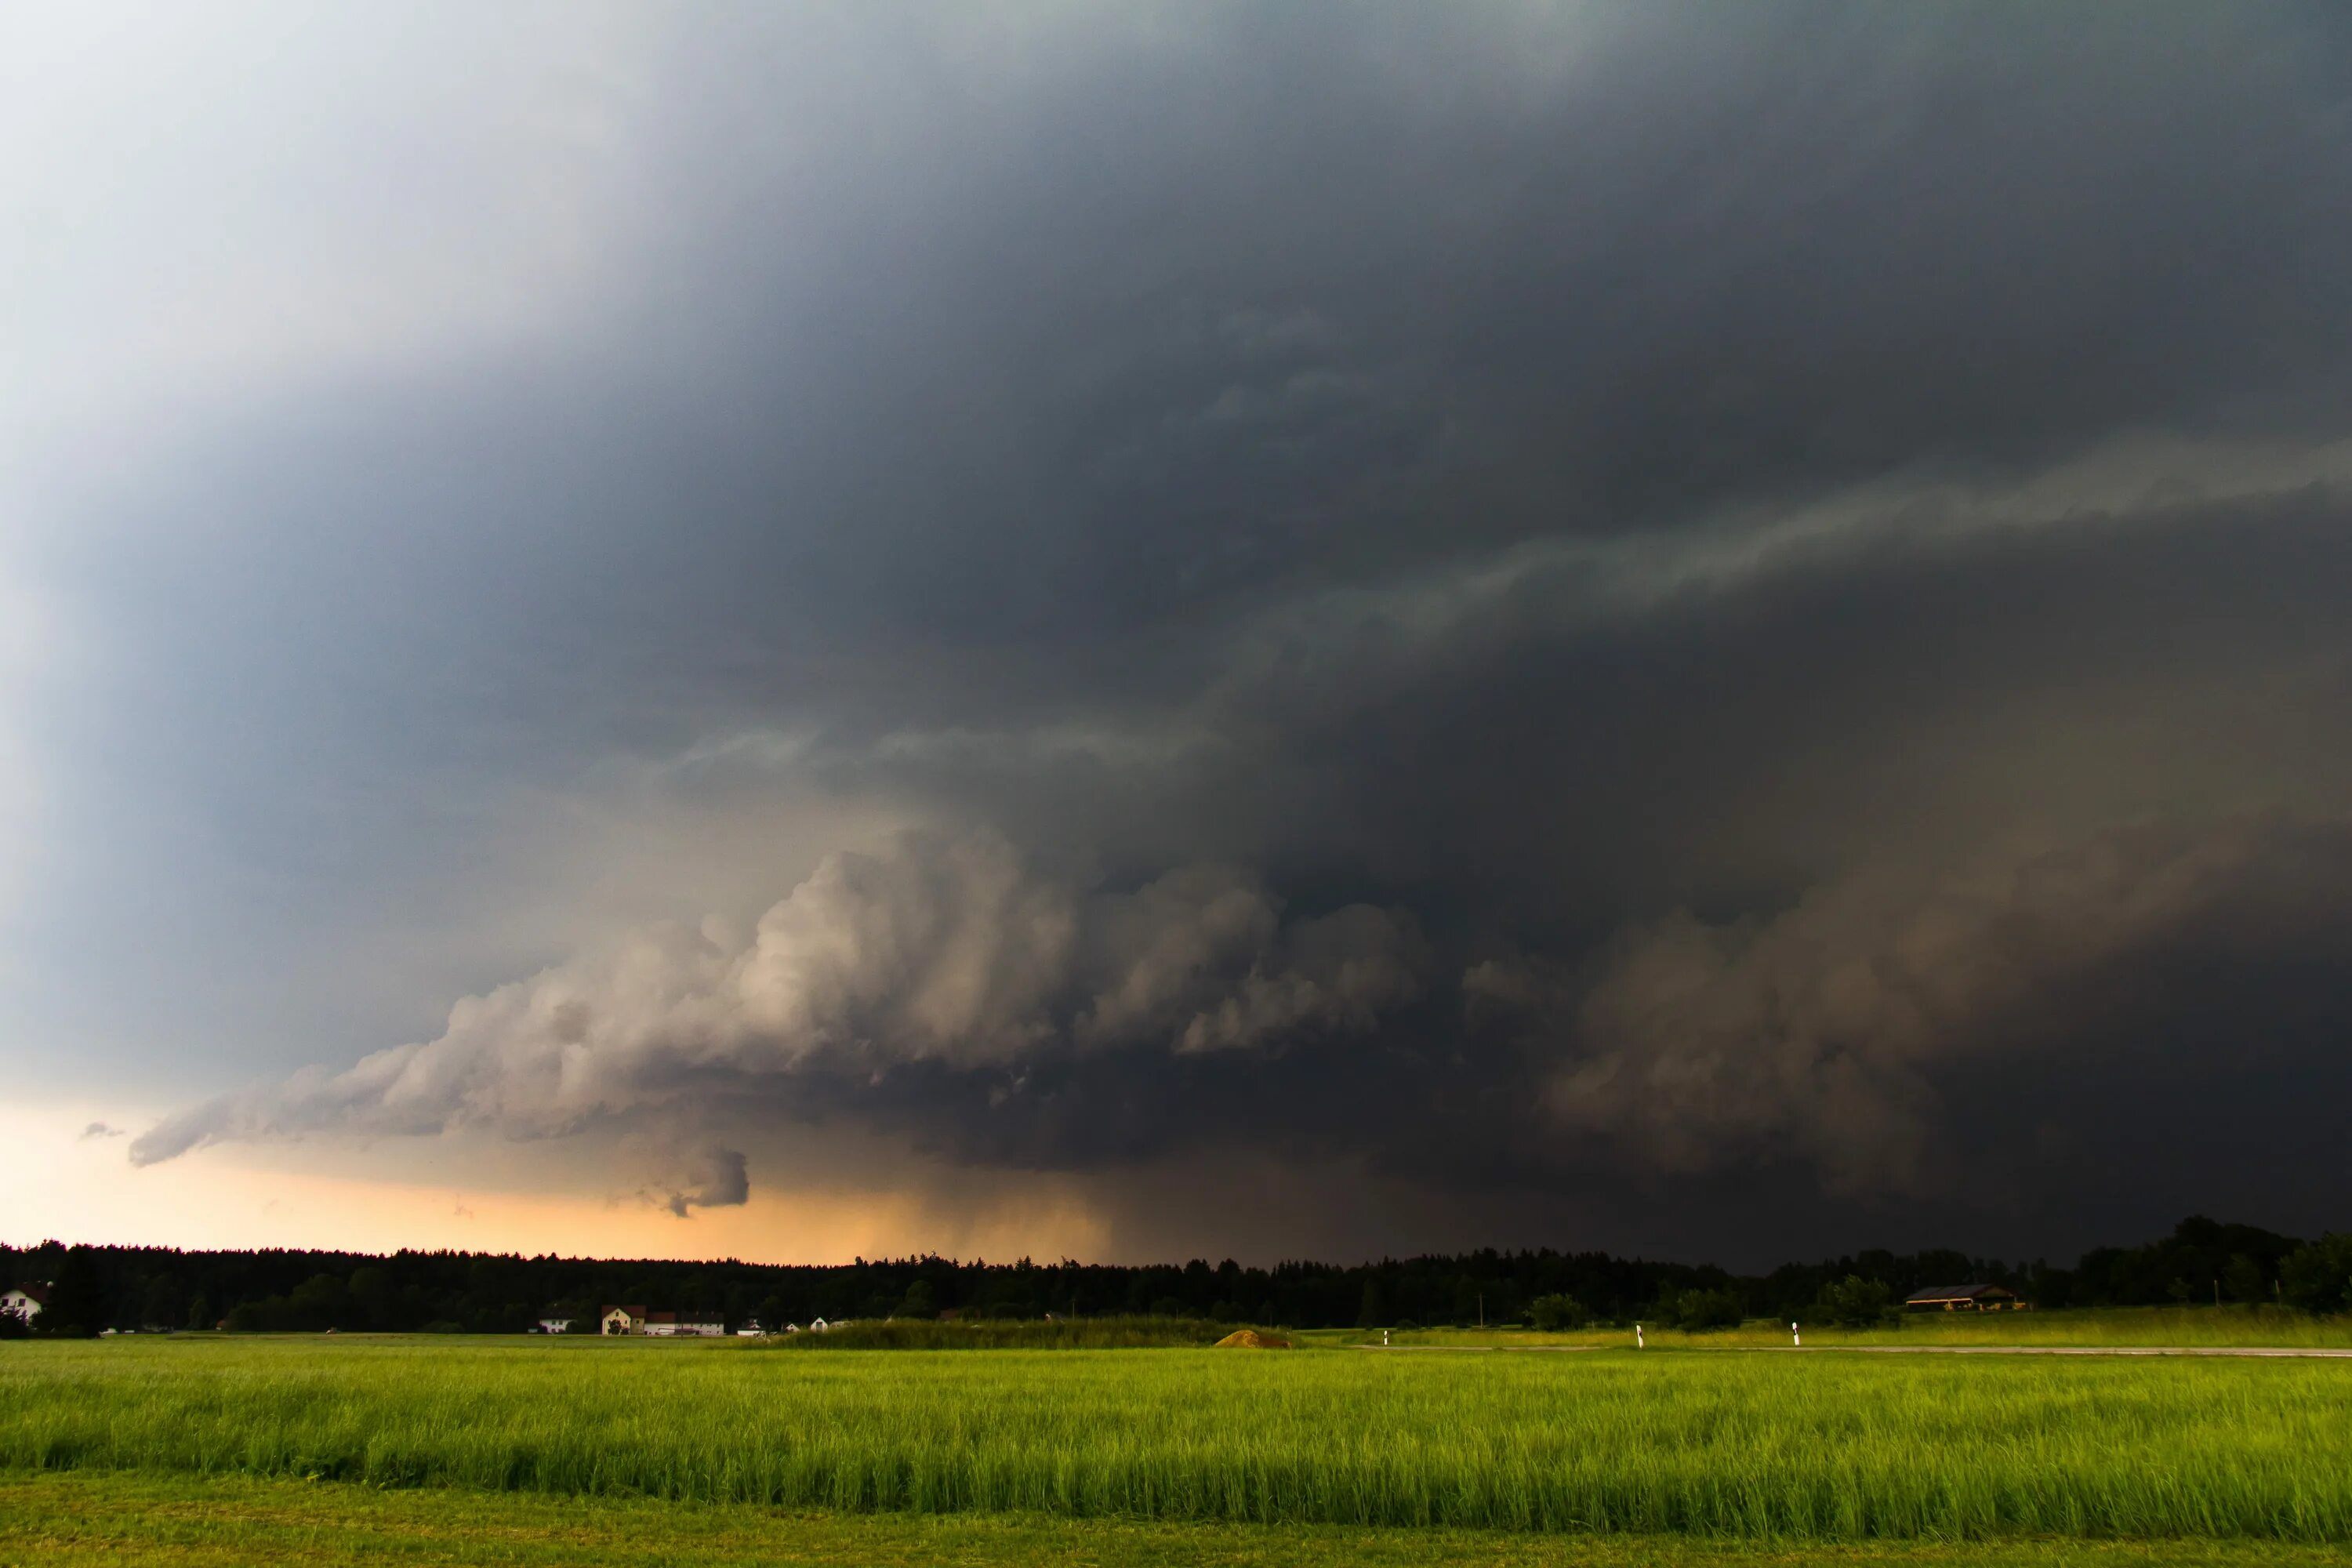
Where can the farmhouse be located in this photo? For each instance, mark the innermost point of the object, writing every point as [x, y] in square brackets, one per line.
[660, 1325]
[25, 1300]
[1964, 1298]
[555, 1325]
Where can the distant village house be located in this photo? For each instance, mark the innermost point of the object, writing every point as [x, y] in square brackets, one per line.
[660, 1325]
[25, 1300]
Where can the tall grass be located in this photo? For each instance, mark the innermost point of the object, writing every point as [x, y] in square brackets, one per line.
[1808, 1447]
[1072, 1334]
[2098, 1328]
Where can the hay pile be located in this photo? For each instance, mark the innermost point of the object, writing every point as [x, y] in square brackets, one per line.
[1251, 1339]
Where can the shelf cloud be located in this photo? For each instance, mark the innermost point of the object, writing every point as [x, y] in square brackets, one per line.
[1585, 623]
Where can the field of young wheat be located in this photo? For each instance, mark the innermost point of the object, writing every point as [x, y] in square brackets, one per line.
[1813, 1446]
[2096, 1327]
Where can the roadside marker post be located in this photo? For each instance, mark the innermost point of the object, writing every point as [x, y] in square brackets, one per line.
[1794, 1336]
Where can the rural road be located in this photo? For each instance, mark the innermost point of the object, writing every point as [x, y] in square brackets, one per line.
[1916, 1349]
[2081, 1349]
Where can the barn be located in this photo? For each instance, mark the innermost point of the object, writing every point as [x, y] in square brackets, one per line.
[1964, 1298]
[660, 1325]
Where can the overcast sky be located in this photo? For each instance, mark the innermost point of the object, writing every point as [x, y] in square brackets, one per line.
[1265, 630]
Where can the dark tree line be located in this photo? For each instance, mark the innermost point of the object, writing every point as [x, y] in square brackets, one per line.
[96, 1288]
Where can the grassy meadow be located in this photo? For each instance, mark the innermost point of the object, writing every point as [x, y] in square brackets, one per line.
[1016, 1334]
[2103, 1328]
[1821, 1448]
[74, 1520]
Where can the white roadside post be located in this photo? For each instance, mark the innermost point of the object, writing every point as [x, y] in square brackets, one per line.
[1794, 1336]
[1638, 1344]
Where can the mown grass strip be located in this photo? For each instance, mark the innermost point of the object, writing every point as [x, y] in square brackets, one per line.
[67, 1520]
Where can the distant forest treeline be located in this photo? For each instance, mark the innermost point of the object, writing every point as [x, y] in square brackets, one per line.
[146, 1287]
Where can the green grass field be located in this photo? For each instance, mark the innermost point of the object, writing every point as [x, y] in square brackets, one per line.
[1813, 1447]
[2106, 1327]
[72, 1519]
[1069, 1335]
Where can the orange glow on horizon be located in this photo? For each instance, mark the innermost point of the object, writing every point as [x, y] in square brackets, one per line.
[56, 1184]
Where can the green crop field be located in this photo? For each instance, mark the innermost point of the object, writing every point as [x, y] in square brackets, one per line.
[2100, 1327]
[1821, 1448]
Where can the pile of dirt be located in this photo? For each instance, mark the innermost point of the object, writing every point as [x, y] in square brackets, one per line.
[1251, 1339]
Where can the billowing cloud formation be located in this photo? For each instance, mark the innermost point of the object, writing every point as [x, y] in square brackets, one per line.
[942, 951]
[1824, 1029]
[711, 1177]
[1329, 526]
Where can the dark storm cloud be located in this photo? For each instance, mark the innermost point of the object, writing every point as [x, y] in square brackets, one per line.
[715, 1178]
[1529, 601]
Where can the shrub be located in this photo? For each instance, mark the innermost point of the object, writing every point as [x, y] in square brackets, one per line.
[1555, 1312]
[1698, 1310]
[1854, 1302]
[2317, 1275]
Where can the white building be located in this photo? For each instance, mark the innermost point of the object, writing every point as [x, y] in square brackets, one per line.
[659, 1325]
[25, 1300]
[555, 1325]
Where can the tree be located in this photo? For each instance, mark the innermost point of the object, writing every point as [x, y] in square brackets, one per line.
[374, 1293]
[918, 1304]
[77, 1305]
[2317, 1275]
[321, 1301]
[1698, 1311]
[161, 1307]
[1557, 1312]
[1854, 1302]
[200, 1312]
[2242, 1280]
[1374, 1310]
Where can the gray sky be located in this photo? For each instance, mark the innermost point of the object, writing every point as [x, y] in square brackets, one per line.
[1709, 631]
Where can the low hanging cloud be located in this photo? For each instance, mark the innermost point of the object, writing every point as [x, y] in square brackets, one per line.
[939, 950]
[1823, 1032]
[711, 1177]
